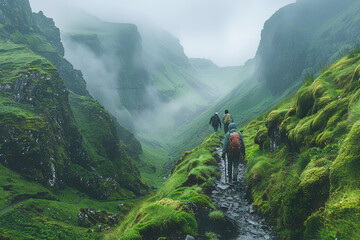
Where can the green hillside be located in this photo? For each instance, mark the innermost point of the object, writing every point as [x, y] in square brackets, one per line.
[298, 41]
[303, 37]
[173, 211]
[61, 152]
[303, 157]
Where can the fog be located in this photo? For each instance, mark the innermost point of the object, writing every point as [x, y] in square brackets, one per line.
[227, 32]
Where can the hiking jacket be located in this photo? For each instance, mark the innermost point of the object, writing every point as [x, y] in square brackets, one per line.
[232, 128]
[223, 119]
[215, 120]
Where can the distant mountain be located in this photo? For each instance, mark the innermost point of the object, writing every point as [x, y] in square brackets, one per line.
[201, 63]
[133, 71]
[303, 37]
[297, 42]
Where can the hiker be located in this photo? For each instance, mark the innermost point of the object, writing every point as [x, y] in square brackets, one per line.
[226, 120]
[215, 122]
[234, 147]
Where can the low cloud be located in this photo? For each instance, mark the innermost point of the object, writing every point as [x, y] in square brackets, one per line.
[227, 32]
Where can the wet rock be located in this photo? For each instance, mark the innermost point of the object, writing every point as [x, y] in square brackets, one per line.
[215, 192]
[232, 199]
[90, 217]
[223, 186]
[251, 222]
[188, 237]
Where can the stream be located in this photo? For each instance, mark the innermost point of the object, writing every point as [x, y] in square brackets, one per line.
[234, 203]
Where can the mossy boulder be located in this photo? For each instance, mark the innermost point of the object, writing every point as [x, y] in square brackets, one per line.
[262, 139]
[272, 123]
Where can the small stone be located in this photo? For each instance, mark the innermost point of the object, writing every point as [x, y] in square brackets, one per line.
[251, 222]
[188, 237]
[90, 230]
[223, 186]
[251, 210]
[267, 237]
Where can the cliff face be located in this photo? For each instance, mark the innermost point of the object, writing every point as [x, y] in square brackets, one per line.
[144, 70]
[41, 138]
[302, 38]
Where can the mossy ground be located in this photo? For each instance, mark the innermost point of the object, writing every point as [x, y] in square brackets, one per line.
[37, 124]
[307, 185]
[169, 212]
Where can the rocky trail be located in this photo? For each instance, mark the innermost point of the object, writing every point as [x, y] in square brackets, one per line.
[233, 201]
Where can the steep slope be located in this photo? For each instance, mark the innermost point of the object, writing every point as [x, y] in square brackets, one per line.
[182, 205]
[47, 147]
[297, 42]
[303, 157]
[101, 132]
[303, 37]
[135, 73]
[142, 76]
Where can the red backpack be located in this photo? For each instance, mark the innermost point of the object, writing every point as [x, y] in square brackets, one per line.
[234, 143]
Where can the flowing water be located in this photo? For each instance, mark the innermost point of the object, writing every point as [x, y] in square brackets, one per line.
[233, 201]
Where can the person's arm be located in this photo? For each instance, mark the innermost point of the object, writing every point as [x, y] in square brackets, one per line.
[243, 144]
[232, 120]
[225, 144]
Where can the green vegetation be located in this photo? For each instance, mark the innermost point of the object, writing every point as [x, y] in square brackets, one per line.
[170, 212]
[306, 180]
[54, 168]
[305, 43]
[107, 155]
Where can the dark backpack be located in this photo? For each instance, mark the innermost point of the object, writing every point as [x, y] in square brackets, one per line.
[234, 143]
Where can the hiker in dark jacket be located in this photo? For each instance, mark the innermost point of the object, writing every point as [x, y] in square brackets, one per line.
[215, 122]
[226, 120]
[234, 152]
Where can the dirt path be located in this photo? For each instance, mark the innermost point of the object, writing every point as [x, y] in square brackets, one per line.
[232, 200]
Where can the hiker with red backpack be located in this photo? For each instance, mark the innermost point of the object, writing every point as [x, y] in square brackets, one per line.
[234, 148]
[226, 120]
[215, 122]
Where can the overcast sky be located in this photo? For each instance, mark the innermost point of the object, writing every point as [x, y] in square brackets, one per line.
[225, 31]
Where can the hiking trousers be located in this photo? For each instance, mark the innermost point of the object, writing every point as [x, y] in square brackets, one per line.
[233, 166]
[226, 127]
[216, 127]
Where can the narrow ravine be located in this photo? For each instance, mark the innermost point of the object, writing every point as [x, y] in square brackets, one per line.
[232, 200]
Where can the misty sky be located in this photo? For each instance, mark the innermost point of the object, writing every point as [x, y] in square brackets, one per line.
[225, 31]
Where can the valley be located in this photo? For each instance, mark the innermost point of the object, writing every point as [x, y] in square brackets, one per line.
[105, 135]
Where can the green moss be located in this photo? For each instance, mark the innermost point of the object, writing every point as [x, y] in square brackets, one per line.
[168, 212]
[262, 139]
[309, 187]
[211, 236]
[217, 216]
[274, 118]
